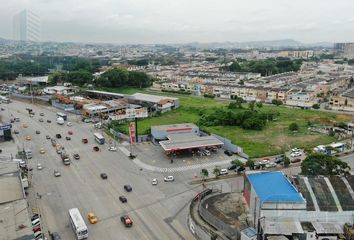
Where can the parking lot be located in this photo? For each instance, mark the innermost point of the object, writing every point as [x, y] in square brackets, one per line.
[158, 212]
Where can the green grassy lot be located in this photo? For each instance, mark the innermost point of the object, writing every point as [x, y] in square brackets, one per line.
[274, 139]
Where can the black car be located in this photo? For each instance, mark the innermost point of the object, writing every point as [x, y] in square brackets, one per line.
[228, 153]
[55, 236]
[128, 188]
[49, 121]
[41, 114]
[38, 132]
[240, 169]
[123, 199]
[34, 217]
[232, 167]
[104, 176]
[76, 156]
[68, 138]
[58, 135]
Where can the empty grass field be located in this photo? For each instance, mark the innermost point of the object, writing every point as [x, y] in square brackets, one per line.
[274, 139]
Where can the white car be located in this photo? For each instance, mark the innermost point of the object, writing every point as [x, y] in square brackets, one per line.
[154, 181]
[295, 154]
[39, 166]
[112, 148]
[169, 179]
[69, 124]
[295, 150]
[270, 165]
[223, 171]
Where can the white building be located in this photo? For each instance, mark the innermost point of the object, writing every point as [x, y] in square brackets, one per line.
[26, 27]
[61, 90]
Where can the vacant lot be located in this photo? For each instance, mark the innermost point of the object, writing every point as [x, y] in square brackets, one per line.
[274, 139]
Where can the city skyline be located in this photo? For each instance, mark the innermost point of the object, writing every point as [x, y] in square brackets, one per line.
[159, 21]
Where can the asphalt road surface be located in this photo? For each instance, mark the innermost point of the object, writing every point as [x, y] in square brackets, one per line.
[158, 212]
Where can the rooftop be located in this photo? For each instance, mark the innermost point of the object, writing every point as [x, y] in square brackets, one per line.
[14, 221]
[11, 188]
[105, 93]
[150, 98]
[281, 190]
[283, 227]
[182, 141]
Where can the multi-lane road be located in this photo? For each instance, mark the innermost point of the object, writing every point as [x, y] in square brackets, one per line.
[158, 212]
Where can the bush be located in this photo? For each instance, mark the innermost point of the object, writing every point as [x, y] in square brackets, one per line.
[316, 106]
[208, 95]
[277, 102]
[293, 126]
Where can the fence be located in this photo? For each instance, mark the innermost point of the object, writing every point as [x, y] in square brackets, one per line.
[232, 233]
[27, 97]
[66, 107]
[231, 147]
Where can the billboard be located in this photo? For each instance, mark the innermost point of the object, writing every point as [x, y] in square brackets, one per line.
[129, 113]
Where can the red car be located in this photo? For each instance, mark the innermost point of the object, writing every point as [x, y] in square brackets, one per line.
[70, 132]
[125, 219]
[84, 140]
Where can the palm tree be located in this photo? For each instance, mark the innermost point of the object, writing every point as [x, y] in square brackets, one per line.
[216, 171]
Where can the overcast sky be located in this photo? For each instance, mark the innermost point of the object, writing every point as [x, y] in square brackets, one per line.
[179, 21]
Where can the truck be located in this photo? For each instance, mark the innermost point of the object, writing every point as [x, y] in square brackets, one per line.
[65, 158]
[60, 121]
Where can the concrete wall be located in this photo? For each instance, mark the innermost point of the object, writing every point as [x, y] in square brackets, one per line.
[231, 147]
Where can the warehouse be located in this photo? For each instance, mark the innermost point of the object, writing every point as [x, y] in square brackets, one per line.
[162, 131]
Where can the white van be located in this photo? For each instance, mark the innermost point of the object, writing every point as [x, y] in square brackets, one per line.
[60, 121]
[223, 171]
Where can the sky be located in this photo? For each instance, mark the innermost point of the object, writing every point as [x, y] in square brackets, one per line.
[183, 21]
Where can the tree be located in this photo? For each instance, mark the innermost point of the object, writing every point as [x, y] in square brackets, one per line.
[277, 102]
[250, 163]
[259, 105]
[251, 105]
[216, 171]
[286, 161]
[322, 164]
[316, 106]
[237, 163]
[293, 126]
[204, 172]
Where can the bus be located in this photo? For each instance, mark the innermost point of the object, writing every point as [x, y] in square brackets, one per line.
[78, 223]
[99, 138]
[62, 115]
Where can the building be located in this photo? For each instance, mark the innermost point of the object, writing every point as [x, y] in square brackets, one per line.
[60, 90]
[345, 102]
[27, 80]
[26, 27]
[5, 132]
[154, 103]
[344, 49]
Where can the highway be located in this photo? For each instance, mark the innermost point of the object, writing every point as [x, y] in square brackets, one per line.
[158, 212]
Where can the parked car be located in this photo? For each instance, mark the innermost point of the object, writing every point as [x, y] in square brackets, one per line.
[96, 148]
[270, 165]
[295, 160]
[169, 179]
[295, 150]
[69, 124]
[295, 154]
[76, 156]
[92, 218]
[123, 199]
[154, 181]
[240, 169]
[112, 148]
[104, 176]
[279, 159]
[228, 153]
[223, 172]
[128, 188]
[55, 236]
[232, 167]
[57, 173]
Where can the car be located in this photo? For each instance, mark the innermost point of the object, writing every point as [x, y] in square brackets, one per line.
[34, 217]
[47, 137]
[41, 114]
[25, 125]
[16, 131]
[84, 140]
[92, 218]
[41, 151]
[270, 165]
[295, 154]
[2, 109]
[123, 199]
[87, 120]
[232, 167]
[57, 173]
[17, 119]
[70, 132]
[96, 148]
[69, 124]
[126, 220]
[104, 176]
[41, 120]
[240, 169]
[279, 159]
[169, 179]
[295, 160]
[36, 228]
[154, 181]
[76, 156]
[223, 172]
[12, 120]
[128, 188]
[49, 121]
[264, 162]
[58, 135]
[295, 150]
[206, 152]
[38, 132]
[112, 148]
[39, 166]
[28, 138]
[54, 143]
[59, 149]
[228, 153]
[68, 138]
[55, 236]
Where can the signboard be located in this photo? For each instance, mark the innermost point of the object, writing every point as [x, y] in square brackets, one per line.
[130, 113]
[132, 132]
[5, 127]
